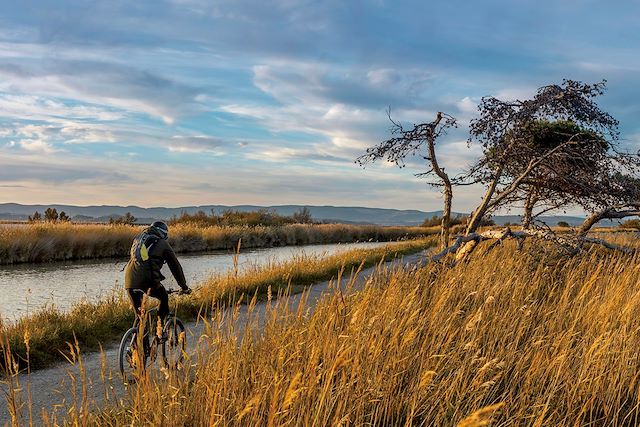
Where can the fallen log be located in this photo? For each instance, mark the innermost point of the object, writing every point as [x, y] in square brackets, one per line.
[464, 245]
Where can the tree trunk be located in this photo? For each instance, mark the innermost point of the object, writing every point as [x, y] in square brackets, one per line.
[591, 221]
[607, 213]
[448, 191]
[446, 215]
[479, 213]
[527, 217]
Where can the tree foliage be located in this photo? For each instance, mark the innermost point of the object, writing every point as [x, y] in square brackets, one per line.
[556, 149]
[51, 215]
[37, 217]
[64, 217]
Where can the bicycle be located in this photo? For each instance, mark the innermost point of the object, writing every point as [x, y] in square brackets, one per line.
[172, 343]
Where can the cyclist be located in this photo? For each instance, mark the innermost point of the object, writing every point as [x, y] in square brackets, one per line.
[149, 251]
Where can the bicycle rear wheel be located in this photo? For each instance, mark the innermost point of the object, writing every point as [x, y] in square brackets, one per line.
[128, 356]
[173, 349]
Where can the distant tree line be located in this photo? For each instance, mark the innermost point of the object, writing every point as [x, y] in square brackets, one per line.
[126, 219]
[436, 220]
[50, 215]
[229, 217]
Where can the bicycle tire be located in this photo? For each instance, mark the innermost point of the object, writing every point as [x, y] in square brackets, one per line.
[175, 342]
[127, 342]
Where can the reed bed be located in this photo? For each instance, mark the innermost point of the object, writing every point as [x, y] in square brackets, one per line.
[92, 324]
[47, 242]
[510, 338]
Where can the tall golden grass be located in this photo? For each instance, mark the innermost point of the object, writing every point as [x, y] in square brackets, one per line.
[94, 323]
[509, 338]
[62, 241]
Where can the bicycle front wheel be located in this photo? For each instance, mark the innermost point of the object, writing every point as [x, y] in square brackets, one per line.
[173, 348]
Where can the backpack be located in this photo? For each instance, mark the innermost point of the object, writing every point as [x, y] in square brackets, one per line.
[141, 246]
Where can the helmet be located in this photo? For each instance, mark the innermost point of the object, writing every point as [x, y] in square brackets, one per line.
[160, 228]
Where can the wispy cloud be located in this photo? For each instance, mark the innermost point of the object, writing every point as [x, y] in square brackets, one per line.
[196, 144]
[109, 84]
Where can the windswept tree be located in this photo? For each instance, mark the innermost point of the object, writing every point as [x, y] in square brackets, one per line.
[549, 143]
[557, 150]
[409, 142]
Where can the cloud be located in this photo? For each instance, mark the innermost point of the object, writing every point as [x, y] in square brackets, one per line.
[286, 154]
[61, 137]
[313, 100]
[110, 84]
[314, 81]
[47, 170]
[22, 106]
[51, 137]
[196, 144]
[467, 105]
[36, 145]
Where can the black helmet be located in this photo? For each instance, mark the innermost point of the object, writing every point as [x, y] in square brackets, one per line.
[161, 229]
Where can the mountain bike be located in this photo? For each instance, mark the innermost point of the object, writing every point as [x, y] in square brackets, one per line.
[171, 339]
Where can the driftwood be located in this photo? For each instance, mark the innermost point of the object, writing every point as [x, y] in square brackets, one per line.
[464, 245]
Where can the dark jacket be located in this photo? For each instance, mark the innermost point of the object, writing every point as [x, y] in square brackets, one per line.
[148, 275]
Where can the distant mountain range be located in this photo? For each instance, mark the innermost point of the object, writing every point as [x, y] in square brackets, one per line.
[344, 214]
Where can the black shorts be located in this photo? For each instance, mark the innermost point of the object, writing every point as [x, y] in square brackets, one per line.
[158, 292]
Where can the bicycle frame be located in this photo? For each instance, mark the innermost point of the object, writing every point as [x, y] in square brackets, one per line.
[138, 337]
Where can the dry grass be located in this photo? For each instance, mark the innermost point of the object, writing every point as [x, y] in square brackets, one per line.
[508, 339]
[92, 324]
[57, 242]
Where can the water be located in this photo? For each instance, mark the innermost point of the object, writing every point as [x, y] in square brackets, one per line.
[29, 287]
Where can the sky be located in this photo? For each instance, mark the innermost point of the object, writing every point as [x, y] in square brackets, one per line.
[192, 102]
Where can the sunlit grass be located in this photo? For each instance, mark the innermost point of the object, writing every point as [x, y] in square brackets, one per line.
[520, 338]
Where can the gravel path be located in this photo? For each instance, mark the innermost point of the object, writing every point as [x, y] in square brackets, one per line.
[57, 385]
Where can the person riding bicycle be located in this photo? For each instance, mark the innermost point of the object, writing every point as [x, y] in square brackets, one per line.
[149, 251]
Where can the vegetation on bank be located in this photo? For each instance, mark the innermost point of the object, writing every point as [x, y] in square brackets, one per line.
[509, 338]
[456, 223]
[44, 242]
[48, 330]
[231, 217]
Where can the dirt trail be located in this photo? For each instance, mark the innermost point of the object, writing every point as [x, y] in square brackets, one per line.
[57, 386]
